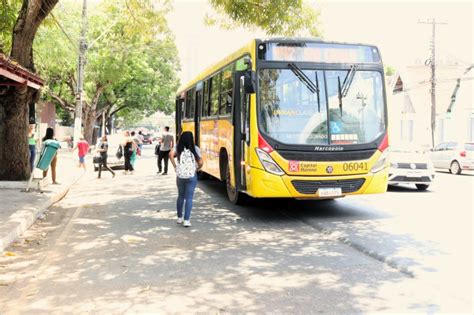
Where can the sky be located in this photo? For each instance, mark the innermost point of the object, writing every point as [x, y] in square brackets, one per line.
[392, 26]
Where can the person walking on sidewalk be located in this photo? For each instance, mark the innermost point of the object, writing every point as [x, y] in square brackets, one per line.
[189, 161]
[136, 149]
[32, 139]
[140, 138]
[103, 148]
[157, 153]
[82, 147]
[128, 147]
[50, 136]
[167, 143]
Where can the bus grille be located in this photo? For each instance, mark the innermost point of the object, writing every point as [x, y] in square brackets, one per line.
[326, 156]
[310, 187]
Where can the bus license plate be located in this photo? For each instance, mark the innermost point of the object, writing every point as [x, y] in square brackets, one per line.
[329, 192]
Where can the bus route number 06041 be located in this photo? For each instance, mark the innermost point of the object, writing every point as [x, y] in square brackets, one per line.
[351, 167]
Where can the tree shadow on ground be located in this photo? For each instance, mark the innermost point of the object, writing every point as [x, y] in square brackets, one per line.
[121, 251]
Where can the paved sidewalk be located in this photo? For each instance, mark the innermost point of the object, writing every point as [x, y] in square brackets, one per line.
[19, 210]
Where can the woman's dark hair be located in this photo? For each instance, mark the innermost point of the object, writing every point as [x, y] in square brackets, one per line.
[186, 141]
[49, 134]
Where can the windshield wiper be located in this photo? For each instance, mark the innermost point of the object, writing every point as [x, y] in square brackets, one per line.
[348, 80]
[344, 89]
[306, 80]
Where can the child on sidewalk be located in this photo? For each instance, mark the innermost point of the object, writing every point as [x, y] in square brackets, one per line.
[82, 147]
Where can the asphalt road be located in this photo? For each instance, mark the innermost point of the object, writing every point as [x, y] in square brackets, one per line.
[113, 246]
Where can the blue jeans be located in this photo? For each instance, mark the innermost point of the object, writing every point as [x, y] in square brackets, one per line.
[32, 148]
[185, 193]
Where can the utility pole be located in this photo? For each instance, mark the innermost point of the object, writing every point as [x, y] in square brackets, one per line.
[80, 75]
[432, 63]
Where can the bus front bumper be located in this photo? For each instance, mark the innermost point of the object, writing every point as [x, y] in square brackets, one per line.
[310, 187]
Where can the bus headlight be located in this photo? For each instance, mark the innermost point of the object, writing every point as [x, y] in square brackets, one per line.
[381, 163]
[268, 163]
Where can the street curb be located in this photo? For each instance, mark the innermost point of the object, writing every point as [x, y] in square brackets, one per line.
[27, 217]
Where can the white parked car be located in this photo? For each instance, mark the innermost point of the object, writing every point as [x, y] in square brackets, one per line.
[453, 156]
[410, 165]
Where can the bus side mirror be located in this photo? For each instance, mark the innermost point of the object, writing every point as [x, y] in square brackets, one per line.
[250, 82]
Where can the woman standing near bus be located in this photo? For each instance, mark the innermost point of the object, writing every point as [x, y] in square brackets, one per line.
[189, 161]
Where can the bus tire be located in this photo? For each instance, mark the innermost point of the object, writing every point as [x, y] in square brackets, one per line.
[202, 176]
[235, 196]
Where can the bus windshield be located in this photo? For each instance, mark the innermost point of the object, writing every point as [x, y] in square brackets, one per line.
[290, 113]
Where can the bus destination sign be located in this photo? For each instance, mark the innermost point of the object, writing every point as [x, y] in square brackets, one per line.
[321, 52]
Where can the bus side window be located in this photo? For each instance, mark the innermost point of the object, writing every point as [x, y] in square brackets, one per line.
[192, 103]
[188, 105]
[205, 104]
[215, 87]
[181, 107]
[225, 107]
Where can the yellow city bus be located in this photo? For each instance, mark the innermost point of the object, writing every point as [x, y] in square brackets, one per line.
[291, 118]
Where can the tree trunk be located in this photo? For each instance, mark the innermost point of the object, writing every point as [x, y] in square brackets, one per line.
[14, 153]
[89, 124]
[90, 114]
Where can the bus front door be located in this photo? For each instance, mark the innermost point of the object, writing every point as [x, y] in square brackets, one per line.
[240, 115]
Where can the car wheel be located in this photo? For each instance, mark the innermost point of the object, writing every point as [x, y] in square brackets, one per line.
[455, 168]
[422, 186]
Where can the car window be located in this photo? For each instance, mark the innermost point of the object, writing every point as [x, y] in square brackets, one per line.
[452, 145]
[441, 146]
[469, 146]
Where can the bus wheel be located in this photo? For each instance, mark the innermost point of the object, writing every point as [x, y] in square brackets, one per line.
[236, 197]
[202, 176]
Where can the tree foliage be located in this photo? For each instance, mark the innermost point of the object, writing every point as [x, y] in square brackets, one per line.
[276, 17]
[131, 61]
[389, 71]
[8, 14]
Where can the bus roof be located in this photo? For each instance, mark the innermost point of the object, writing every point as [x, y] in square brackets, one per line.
[250, 48]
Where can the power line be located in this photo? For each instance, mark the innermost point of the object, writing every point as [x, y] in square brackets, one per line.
[63, 30]
[60, 26]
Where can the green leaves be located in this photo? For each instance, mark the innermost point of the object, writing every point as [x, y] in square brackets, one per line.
[8, 13]
[276, 17]
[131, 54]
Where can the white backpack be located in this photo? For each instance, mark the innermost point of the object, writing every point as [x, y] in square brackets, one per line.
[186, 166]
